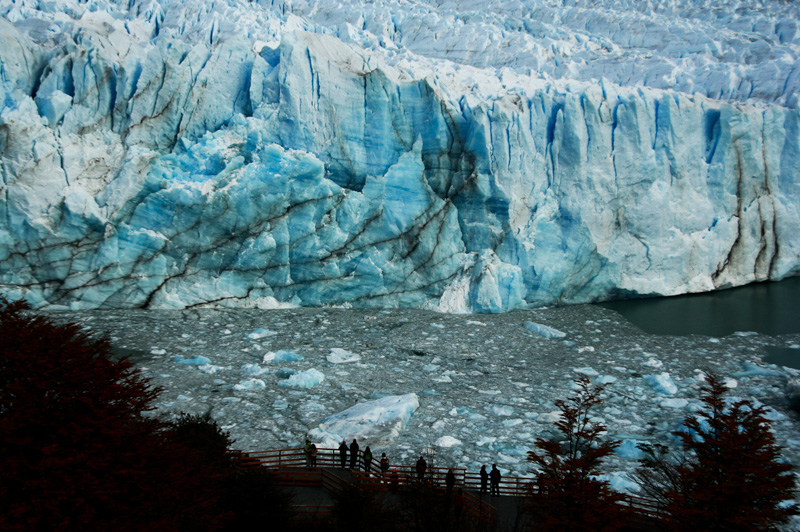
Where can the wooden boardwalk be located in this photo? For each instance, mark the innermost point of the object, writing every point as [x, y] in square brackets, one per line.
[314, 486]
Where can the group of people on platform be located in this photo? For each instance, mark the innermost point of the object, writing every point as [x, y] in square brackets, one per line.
[488, 478]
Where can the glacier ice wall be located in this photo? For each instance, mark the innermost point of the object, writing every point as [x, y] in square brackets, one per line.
[180, 154]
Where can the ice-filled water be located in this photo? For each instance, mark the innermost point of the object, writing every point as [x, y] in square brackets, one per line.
[474, 388]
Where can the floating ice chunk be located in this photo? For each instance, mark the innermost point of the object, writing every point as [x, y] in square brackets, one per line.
[486, 439]
[459, 411]
[674, 402]
[158, 351]
[512, 422]
[250, 385]
[280, 404]
[620, 482]
[586, 349]
[549, 417]
[606, 379]
[544, 330]
[472, 322]
[209, 369]
[502, 410]
[629, 450]
[745, 333]
[662, 383]
[447, 441]
[654, 363]
[753, 370]
[194, 361]
[285, 373]
[590, 372]
[376, 422]
[253, 370]
[430, 367]
[303, 379]
[342, 356]
[731, 383]
[258, 334]
[437, 325]
[714, 340]
[284, 355]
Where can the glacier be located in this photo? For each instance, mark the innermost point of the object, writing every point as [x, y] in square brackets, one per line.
[458, 157]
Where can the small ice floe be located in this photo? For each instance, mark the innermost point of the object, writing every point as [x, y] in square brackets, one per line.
[158, 351]
[752, 370]
[447, 441]
[629, 450]
[258, 334]
[284, 355]
[589, 372]
[549, 417]
[378, 422]
[253, 370]
[194, 361]
[662, 383]
[502, 410]
[714, 340]
[620, 482]
[674, 402]
[303, 379]
[473, 322]
[209, 369]
[342, 356]
[249, 385]
[606, 379]
[544, 330]
[285, 373]
[745, 333]
[437, 325]
[586, 349]
[654, 363]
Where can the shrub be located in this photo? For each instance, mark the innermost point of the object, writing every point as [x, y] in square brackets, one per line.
[732, 477]
[569, 496]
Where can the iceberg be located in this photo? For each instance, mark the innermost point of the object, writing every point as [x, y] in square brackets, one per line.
[461, 157]
[375, 422]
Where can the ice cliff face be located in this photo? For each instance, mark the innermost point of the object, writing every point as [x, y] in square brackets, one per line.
[465, 156]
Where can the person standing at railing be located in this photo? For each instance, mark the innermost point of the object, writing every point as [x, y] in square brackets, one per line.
[312, 453]
[384, 464]
[367, 459]
[343, 454]
[495, 477]
[422, 465]
[307, 451]
[353, 454]
[484, 480]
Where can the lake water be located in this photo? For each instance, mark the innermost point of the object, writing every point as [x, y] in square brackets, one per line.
[771, 308]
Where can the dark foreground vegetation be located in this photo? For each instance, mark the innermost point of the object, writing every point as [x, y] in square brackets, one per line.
[78, 452]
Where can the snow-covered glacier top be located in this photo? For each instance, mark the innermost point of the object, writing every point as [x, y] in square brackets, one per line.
[734, 51]
[460, 156]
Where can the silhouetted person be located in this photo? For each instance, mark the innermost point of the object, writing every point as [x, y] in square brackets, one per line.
[307, 451]
[495, 477]
[313, 455]
[384, 464]
[367, 459]
[394, 480]
[353, 454]
[343, 454]
[449, 481]
[422, 465]
[484, 480]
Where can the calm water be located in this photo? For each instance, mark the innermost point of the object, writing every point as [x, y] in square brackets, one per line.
[766, 308]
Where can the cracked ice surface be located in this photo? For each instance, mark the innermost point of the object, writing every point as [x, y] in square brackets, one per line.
[499, 391]
[472, 156]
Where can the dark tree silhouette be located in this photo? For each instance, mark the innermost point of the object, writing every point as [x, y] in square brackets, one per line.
[569, 497]
[732, 477]
[76, 451]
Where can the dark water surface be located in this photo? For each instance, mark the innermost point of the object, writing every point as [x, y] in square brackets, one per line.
[771, 308]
